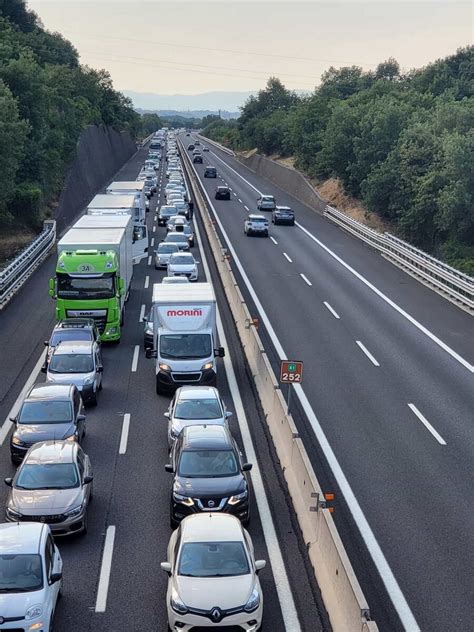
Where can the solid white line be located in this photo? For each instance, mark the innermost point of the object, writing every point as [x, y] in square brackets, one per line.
[287, 257]
[285, 596]
[149, 260]
[142, 313]
[154, 228]
[305, 279]
[124, 436]
[247, 209]
[147, 282]
[105, 569]
[401, 311]
[332, 310]
[391, 585]
[7, 424]
[136, 351]
[367, 353]
[427, 424]
[152, 242]
[274, 240]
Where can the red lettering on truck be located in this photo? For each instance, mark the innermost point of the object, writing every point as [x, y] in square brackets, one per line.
[184, 312]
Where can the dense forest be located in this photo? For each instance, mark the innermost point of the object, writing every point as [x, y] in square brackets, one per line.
[46, 99]
[401, 143]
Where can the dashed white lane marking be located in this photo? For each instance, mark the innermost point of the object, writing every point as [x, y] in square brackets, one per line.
[247, 209]
[287, 257]
[240, 201]
[124, 436]
[332, 310]
[142, 313]
[427, 424]
[367, 353]
[305, 279]
[274, 240]
[105, 569]
[234, 193]
[154, 229]
[149, 260]
[136, 352]
[152, 242]
[147, 282]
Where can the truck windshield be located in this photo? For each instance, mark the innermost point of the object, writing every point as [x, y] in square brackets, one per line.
[185, 346]
[86, 287]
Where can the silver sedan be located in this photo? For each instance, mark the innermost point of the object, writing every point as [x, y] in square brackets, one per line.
[163, 254]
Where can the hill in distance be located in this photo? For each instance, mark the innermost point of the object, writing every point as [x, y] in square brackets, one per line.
[210, 102]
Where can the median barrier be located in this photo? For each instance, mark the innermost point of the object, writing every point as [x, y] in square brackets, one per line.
[342, 595]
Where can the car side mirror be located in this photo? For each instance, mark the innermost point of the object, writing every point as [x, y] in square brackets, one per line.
[219, 353]
[88, 479]
[144, 319]
[100, 369]
[169, 468]
[151, 353]
[246, 467]
[167, 415]
[81, 418]
[9, 482]
[228, 414]
[55, 577]
[166, 566]
[52, 289]
[13, 420]
[260, 565]
[46, 343]
[43, 369]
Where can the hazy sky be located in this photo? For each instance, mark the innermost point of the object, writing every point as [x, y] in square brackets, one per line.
[189, 47]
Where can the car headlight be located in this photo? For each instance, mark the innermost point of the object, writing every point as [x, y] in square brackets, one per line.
[183, 500]
[235, 500]
[253, 602]
[177, 604]
[17, 441]
[208, 365]
[164, 367]
[110, 331]
[73, 437]
[174, 431]
[14, 515]
[34, 611]
[74, 512]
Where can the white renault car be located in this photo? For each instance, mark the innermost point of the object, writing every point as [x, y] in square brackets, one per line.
[30, 576]
[213, 575]
[183, 264]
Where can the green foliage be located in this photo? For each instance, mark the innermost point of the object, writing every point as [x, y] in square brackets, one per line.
[46, 100]
[150, 122]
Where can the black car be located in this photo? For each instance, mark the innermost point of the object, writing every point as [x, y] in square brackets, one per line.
[283, 215]
[222, 193]
[166, 211]
[190, 146]
[209, 474]
[48, 412]
[197, 158]
[210, 172]
[71, 330]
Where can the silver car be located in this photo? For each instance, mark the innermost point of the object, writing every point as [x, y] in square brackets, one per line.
[180, 239]
[53, 485]
[183, 264]
[163, 253]
[195, 406]
[78, 363]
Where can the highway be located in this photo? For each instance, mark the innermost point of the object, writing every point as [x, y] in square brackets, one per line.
[124, 589]
[386, 406]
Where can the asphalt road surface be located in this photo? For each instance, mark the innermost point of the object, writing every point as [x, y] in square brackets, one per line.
[386, 405]
[131, 488]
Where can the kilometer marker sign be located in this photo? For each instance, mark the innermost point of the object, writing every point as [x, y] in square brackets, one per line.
[291, 372]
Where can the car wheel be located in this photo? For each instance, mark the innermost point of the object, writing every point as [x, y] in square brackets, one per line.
[159, 389]
[94, 400]
[61, 589]
[13, 460]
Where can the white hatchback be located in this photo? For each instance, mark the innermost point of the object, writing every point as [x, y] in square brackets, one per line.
[30, 576]
[213, 575]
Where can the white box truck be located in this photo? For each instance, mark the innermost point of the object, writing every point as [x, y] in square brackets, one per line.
[185, 340]
[135, 188]
[93, 277]
[107, 218]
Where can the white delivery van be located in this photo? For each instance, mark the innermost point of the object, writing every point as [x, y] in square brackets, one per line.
[135, 232]
[185, 340]
[135, 188]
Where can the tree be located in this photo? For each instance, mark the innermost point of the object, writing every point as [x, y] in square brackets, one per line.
[150, 122]
[388, 70]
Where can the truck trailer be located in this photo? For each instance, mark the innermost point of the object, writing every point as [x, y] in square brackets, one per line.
[185, 339]
[135, 188]
[93, 277]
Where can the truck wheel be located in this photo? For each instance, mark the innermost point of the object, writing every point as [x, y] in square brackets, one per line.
[159, 388]
[122, 318]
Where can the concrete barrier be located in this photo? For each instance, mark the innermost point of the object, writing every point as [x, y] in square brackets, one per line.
[342, 595]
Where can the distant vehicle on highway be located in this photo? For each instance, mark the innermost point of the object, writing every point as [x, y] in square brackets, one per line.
[256, 225]
[222, 193]
[266, 203]
[197, 159]
[283, 215]
[205, 148]
[148, 330]
[183, 264]
[71, 330]
[177, 238]
[162, 254]
[190, 147]
[166, 211]
[210, 172]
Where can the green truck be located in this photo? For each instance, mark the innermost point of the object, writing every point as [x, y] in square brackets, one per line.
[93, 277]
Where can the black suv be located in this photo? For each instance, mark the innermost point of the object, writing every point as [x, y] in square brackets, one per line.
[190, 146]
[197, 158]
[209, 474]
[49, 412]
[210, 172]
[71, 330]
[222, 193]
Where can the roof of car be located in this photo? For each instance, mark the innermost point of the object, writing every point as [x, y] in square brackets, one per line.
[52, 452]
[267, 195]
[215, 527]
[47, 390]
[210, 167]
[206, 436]
[173, 234]
[197, 392]
[256, 216]
[283, 208]
[79, 347]
[21, 537]
[222, 188]
[79, 323]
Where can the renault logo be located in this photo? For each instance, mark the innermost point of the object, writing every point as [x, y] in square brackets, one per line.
[216, 615]
[210, 503]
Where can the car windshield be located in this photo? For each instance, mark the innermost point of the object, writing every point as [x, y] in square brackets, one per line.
[20, 573]
[207, 463]
[45, 412]
[258, 220]
[176, 238]
[47, 476]
[86, 287]
[181, 260]
[167, 211]
[208, 408]
[268, 198]
[185, 346]
[68, 335]
[167, 248]
[71, 363]
[213, 559]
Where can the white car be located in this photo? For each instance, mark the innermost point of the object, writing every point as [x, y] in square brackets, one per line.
[183, 264]
[163, 254]
[213, 575]
[30, 576]
[256, 225]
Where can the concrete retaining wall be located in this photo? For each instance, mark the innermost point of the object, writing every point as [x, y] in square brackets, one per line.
[100, 153]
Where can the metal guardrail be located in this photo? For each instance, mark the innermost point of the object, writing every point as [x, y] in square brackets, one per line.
[451, 283]
[17, 272]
